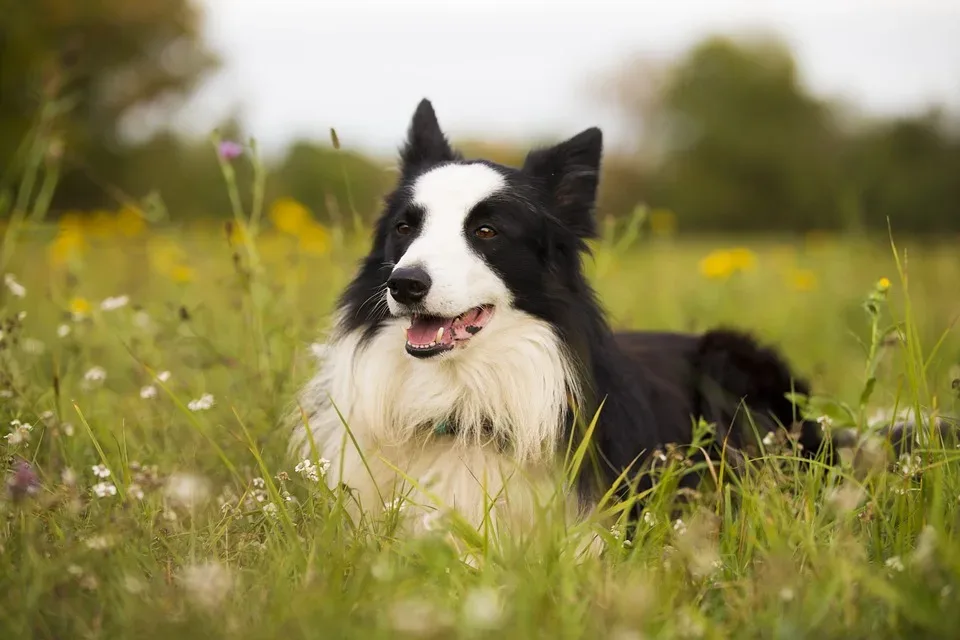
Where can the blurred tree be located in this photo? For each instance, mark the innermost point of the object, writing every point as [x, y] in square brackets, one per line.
[104, 60]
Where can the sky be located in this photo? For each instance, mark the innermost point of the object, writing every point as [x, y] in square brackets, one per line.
[519, 69]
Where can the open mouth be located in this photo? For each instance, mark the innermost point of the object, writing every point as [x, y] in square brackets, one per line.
[432, 335]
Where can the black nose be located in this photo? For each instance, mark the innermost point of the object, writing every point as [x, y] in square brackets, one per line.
[409, 285]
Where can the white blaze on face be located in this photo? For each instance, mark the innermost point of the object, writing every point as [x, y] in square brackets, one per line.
[460, 278]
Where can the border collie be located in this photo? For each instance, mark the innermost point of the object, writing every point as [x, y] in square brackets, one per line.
[470, 345]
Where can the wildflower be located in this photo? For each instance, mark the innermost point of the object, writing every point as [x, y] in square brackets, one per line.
[894, 563]
[270, 509]
[67, 429]
[182, 274]
[63, 331]
[909, 466]
[187, 490]
[787, 594]
[68, 477]
[208, 583]
[104, 489]
[649, 519]
[15, 287]
[229, 150]
[679, 526]
[483, 608]
[883, 285]
[163, 376]
[311, 471]
[114, 303]
[101, 471]
[23, 481]
[136, 491]
[95, 374]
[289, 216]
[130, 222]
[79, 307]
[802, 280]
[19, 433]
[721, 264]
[314, 239]
[259, 483]
[100, 542]
[202, 403]
[769, 439]
[148, 392]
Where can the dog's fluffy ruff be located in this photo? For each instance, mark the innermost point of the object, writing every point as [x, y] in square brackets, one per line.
[512, 385]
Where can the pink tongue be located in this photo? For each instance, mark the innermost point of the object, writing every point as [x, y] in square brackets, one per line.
[424, 330]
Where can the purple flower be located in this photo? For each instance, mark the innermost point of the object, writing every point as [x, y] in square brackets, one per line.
[23, 481]
[229, 150]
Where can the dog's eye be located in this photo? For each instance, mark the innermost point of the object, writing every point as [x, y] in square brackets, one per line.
[485, 232]
[403, 228]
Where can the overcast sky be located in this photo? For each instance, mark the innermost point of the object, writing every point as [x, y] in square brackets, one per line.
[517, 68]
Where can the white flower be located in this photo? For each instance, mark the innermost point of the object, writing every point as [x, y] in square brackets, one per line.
[483, 608]
[148, 392]
[270, 509]
[208, 584]
[15, 287]
[136, 491]
[787, 594]
[679, 526]
[101, 471]
[163, 376]
[649, 519]
[114, 303]
[312, 471]
[104, 489]
[187, 490]
[100, 542]
[68, 477]
[894, 563]
[67, 428]
[769, 439]
[202, 403]
[19, 433]
[95, 374]
[259, 483]
[63, 330]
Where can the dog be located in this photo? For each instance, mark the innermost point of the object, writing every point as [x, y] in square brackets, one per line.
[469, 346]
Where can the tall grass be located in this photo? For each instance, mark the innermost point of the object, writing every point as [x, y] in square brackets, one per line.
[204, 528]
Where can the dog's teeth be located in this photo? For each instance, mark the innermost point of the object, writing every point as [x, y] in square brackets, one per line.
[439, 335]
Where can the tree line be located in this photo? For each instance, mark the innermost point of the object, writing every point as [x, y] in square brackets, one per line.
[726, 136]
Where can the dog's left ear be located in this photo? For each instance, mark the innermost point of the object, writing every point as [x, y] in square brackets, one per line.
[426, 143]
[570, 173]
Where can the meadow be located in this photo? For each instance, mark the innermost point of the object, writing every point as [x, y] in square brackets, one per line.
[146, 369]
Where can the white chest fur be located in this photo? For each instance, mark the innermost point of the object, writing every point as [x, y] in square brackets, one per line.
[510, 384]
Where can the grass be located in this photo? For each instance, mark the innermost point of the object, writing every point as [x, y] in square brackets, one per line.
[212, 532]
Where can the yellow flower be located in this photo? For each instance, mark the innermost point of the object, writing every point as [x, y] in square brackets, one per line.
[182, 273]
[101, 225]
[130, 222]
[79, 307]
[802, 279]
[68, 245]
[717, 265]
[743, 259]
[290, 216]
[236, 233]
[314, 239]
[883, 284]
[663, 222]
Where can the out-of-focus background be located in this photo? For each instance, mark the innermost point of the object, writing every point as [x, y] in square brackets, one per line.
[739, 116]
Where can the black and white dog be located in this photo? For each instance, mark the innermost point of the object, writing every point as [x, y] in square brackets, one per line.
[470, 343]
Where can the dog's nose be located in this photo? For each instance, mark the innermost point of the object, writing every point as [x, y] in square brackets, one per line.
[409, 285]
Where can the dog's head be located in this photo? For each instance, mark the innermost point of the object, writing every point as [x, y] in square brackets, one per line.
[461, 242]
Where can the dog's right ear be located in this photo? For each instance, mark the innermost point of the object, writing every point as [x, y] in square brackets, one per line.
[426, 145]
